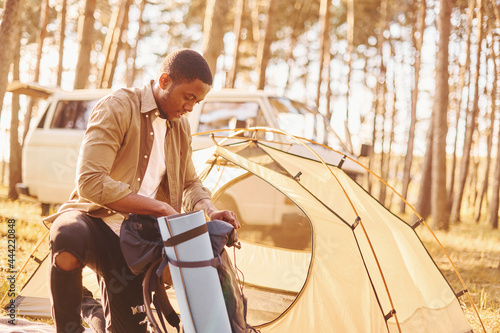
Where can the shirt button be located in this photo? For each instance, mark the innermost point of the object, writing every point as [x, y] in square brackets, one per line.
[147, 116]
[157, 113]
[151, 133]
[145, 156]
[139, 179]
[109, 212]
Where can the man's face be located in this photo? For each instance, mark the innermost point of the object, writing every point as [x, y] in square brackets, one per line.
[176, 100]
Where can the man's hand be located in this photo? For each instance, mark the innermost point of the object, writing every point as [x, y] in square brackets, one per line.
[226, 216]
[215, 214]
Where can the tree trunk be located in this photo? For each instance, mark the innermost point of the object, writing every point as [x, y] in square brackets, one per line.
[119, 43]
[414, 99]
[114, 44]
[213, 31]
[385, 158]
[9, 32]
[471, 123]
[371, 159]
[391, 138]
[131, 69]
[108, 43]
[424, 203]
[323, 43]
[440, 126]
[85, 38]
[328, 113]
[44, 20]
[15, 168]
[62, 37]
[238, 19]
[301, 6]
[264, 49]
[380, 84]
[472, 179]
[493, 209]
[489, 140]
[383, 115]
[461, 84]
[350, 54]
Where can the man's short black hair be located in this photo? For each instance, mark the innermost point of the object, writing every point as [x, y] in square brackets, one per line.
[185, 66]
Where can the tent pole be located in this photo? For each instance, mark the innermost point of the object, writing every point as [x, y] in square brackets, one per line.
[27, 260]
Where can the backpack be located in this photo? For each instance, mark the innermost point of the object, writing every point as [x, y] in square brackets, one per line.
[143, 249]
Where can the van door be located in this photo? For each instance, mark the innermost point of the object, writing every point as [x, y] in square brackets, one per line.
[51, 152]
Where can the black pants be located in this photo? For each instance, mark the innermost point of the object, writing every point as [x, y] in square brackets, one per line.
[95, 245]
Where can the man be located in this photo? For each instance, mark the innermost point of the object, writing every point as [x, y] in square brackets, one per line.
[135, 158]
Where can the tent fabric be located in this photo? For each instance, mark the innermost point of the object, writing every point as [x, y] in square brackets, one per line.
[33, 300]
[286, 269]
[361, 264]
[344, 288]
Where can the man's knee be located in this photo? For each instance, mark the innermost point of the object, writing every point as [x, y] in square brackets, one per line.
[67, 261]
[69, 236]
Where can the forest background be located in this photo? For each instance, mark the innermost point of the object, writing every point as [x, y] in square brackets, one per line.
[415, 80]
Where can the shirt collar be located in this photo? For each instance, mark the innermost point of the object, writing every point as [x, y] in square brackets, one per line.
[148, 102]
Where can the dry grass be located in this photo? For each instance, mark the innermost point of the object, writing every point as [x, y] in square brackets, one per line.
[473, 248]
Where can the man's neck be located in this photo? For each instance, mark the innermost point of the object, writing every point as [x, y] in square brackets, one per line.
[162, 115]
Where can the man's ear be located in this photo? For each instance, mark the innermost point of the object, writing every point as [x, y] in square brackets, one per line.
[164, 80]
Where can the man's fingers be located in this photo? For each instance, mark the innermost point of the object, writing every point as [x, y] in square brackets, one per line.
[231, 218]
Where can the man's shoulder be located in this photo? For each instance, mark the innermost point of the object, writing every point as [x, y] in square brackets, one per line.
[122, 100]
[126, 94]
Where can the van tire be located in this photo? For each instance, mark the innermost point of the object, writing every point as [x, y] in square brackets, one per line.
[45, 209]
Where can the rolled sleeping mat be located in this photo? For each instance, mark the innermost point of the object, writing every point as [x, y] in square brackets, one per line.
[195, 278]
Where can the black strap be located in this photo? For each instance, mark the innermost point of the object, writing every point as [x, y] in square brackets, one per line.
[187, 235]
[215, 262]
[159, 310]
[165, 306]
[155, 283]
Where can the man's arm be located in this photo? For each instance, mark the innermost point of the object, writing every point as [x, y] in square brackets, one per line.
[138, 204]
[214, 214]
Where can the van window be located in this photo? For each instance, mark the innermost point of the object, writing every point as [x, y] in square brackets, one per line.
[297, 119]
[72, 114]
[220, 115]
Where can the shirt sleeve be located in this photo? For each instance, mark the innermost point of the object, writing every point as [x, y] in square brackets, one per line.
[194, 190]
[108, 125]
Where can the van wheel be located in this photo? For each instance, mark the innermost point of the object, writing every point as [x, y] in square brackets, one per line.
[45, 209]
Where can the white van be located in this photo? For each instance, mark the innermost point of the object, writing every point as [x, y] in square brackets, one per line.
[51, 150]
[50, 153]
[234, 109]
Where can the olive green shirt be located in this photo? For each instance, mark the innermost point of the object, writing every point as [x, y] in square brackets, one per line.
[115, 152]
